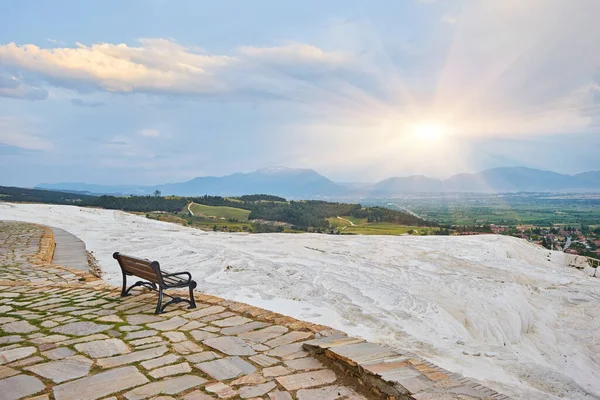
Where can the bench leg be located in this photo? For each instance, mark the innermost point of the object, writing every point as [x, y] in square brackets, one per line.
[159, 310]
[124, 290]
[192, 300]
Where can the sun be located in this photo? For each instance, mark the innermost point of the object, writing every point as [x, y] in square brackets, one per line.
[429, 131]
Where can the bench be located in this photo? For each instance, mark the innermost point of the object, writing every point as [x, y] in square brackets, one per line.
[155, 279]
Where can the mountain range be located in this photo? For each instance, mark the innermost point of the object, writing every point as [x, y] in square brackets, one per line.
[308, 184]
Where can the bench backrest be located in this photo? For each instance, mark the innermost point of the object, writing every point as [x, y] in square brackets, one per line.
[145, 269]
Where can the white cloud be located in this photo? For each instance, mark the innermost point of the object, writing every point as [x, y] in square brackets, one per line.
[158, 65]
[149, 133]
[12, 135]
[294, 54]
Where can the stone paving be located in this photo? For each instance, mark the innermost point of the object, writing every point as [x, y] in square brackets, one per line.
[66, 335]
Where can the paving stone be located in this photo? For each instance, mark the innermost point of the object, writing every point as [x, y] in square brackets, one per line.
[19, 327]
[276, 371]
[169, 324]
[252, 379]
[305, 364]
[140, 334]
[232, 321]
[277, 395]
[265, 334]
[99, 336]
[234, 330]
[211, 329]
[204, 312]
[26, 361]
[49, 324]
[152, 339]
[58, 353]
[175, 336]
[148, 346]
[187, 347]
[263, 360]
[42, 397]
[139, 319]
[110, 318]
[160, 361]
[197, 395]
[169, 370]
[222, 390]
[363, 352]
[333, 341]
[130, 328]
[202, 335]
[192, 325]
[288, 351]
[63, 370]
[230, 345]
[201, 357]
[10, 339]
[19, 386]
[131, 357]
[255, 391]
[166, 386]
[6, 372]
[81, 328]
[288, 338]
[15, 354]
[329, 393]
[307, 379]
[100, 385]
[226, 368]
[103, 348]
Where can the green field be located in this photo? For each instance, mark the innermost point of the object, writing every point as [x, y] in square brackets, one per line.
[538, 209]
[219, 212]
[363, 227]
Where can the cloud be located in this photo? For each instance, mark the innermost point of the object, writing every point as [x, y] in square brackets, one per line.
[84, 103]
[149, 133]
[12, 87]
[55, 41]
[159, 66]
[294, 54]
[13, 136]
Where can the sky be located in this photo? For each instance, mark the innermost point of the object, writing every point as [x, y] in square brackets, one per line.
[156, 91]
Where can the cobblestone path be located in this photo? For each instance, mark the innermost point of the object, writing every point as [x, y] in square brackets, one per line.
[67, 335]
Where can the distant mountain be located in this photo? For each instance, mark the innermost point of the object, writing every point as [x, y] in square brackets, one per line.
[279, 181]
[506, 179]
[308, 184]
[410, 184]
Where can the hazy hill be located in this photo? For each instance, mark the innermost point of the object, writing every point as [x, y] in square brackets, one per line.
[308, 184]
[280, 181]
[507, 179]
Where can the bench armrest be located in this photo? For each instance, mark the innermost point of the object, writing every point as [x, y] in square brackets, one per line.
[189, 276]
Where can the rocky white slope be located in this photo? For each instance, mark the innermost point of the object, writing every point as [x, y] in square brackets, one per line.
[494, 308]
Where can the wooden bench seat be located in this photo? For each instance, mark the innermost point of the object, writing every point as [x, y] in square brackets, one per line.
[155, 279]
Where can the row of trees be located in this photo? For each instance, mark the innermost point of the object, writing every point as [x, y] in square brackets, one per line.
[301, 214]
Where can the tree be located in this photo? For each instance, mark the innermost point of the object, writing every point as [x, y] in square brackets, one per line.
[157, 193]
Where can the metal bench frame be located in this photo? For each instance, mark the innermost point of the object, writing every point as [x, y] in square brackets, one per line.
[155, 279]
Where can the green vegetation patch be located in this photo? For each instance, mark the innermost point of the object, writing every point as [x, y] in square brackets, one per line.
[220, 211]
